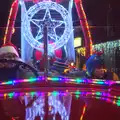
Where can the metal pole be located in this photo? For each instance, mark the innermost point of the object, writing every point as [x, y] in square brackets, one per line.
[45, 52]
[46, 108]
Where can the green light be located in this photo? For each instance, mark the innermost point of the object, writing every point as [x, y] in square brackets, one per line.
[118, 98]
[32, 93]
[55, 79]
[77, 96]
[9, 82]
[55, 93]
[97, 97]
[77, 93]
[118, 103]
[32, 79]
[100, 82]
[98, 93]
[78, 80]
[10, 95]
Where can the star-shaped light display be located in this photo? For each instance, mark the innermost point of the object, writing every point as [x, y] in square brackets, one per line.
[51, 26]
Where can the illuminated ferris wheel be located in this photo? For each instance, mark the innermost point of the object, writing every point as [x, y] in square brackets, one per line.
[46, 14]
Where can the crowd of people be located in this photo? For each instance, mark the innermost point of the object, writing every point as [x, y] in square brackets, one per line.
[94, 69]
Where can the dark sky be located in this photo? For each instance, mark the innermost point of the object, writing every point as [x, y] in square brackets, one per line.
[102, 15]
[4, 11]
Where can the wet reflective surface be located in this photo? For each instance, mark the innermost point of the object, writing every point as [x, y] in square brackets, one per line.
[75, 105]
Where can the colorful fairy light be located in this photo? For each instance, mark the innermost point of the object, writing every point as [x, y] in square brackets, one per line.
[107, 45]
[54, 101]
[77, 94]
[55, 93]
[118, 103]
[4, 95]
[32, 93]
[62, 80]
[11, 95]
[98, 95]
[7, 83]
[31, 80]
[98, 47]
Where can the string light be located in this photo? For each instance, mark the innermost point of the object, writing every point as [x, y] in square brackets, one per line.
[107, 45]
[63, 80]
[31, 80]
[55, 93]
[106, 96]
[99, 47]
[85, 27]
[11, 21]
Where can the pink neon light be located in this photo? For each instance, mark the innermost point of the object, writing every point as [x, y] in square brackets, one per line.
[11, 22]
[85, 27]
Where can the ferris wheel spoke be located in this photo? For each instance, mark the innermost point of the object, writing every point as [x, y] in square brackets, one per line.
[54, 36]
[54, 25]
[39, 35]
[35, 22]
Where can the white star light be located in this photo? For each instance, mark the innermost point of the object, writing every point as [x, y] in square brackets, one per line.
[51, 25]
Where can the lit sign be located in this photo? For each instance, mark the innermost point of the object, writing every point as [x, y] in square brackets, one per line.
[77, 42]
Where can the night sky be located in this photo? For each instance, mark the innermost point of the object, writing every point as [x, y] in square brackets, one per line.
[4, 12]
[103, 17]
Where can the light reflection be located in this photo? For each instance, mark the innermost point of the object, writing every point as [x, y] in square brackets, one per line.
[34, 107]
[57, 104]
[94, 94]
[83, 112]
